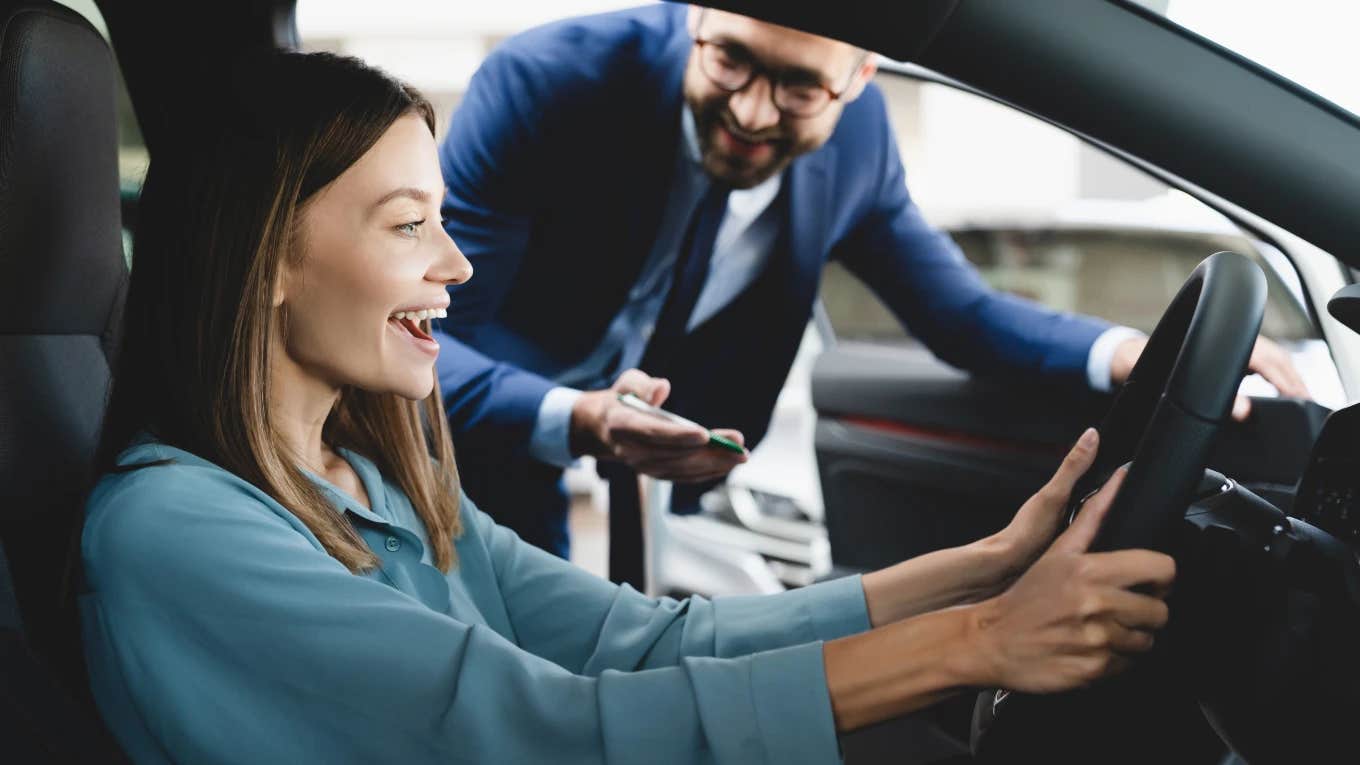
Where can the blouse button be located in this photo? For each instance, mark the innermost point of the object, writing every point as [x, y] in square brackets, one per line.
[393, 544]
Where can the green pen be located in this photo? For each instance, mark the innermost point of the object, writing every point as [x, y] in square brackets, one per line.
[633, 402]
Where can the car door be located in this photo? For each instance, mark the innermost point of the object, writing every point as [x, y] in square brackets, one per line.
[914, 455]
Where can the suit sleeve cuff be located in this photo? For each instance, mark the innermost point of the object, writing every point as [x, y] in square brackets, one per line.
[1101, 356]
[550, 440]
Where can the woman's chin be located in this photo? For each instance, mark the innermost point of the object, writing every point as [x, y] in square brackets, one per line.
[418, 391]
[413, 387]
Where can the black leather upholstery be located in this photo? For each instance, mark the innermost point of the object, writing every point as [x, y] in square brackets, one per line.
[62, 281]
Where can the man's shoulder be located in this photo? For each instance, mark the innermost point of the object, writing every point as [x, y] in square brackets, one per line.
[863, 126]
[861, 148]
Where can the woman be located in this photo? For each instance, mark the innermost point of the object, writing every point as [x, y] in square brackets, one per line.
[282, 569]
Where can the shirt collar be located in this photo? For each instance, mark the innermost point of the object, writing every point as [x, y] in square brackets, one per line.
[373, 487]
[689, 134]
[146, 447]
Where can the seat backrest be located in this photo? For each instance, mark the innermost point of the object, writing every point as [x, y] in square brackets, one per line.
[62, 282]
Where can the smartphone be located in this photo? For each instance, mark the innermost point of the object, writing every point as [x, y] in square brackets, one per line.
[633, 402]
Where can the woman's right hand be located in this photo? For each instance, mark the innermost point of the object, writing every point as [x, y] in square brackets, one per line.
[1074, 616]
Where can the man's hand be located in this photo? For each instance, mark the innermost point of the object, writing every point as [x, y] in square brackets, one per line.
[1267, 359]
[604, 428]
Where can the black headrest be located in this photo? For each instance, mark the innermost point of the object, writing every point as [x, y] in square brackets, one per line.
[62, 280]
[60, 273]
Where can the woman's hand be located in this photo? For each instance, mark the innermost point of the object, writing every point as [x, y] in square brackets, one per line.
[1036, 524]
[977, 571]
[1074, 616]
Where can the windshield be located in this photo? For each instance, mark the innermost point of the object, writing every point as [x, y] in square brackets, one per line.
[1311, 42]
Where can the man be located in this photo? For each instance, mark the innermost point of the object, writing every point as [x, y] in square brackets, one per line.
[661, 188]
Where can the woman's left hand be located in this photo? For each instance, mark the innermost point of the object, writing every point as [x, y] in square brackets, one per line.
[1039, 520]
[985, 568]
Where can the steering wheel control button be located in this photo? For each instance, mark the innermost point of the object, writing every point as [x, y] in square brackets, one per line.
[393, 544]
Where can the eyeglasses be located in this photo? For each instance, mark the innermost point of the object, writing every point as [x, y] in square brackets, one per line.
[795, 93]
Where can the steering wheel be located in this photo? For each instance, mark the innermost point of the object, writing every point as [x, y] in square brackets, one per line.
[1168, 413]
[1164, 420]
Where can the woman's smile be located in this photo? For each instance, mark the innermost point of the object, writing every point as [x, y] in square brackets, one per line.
[410, 331]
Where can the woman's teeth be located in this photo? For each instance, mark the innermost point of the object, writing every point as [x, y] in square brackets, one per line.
[428, 313]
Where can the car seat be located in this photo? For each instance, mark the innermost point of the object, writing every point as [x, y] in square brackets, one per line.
[62, 282]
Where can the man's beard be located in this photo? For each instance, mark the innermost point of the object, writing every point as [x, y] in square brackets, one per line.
[732, 169]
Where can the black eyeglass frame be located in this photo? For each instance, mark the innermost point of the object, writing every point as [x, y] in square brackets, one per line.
[758, 69]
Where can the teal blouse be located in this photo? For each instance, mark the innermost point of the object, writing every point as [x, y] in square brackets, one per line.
[218, 630]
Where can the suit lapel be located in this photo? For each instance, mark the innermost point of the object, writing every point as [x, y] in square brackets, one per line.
[756, 336]
[809, 196]
[652, 173]
[800, 250]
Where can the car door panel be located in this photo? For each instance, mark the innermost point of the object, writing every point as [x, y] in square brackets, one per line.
[914, 455]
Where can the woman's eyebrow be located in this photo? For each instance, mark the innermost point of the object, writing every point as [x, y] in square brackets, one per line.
[410, 192]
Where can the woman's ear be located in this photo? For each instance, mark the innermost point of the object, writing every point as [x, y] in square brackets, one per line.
[280, 289]
[288, 263]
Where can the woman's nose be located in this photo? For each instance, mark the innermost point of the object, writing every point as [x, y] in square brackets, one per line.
[451, 267]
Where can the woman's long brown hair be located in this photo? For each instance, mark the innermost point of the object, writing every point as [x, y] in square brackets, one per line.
[219, 218]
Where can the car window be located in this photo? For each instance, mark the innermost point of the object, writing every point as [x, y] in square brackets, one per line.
[1044, 216]
[132, 154]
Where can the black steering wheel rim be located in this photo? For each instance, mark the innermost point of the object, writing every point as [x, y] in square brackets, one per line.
[1166, 416]
[1163, 420]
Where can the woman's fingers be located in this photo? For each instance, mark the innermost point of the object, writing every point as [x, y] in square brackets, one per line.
[1152, 571]
[1078, 460]
[1130, 609]
[1124, 640]
[1079, 536]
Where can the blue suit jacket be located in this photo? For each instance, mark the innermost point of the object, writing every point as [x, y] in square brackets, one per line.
[557, 163]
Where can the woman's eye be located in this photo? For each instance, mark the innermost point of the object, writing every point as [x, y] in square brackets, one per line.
[412, 228]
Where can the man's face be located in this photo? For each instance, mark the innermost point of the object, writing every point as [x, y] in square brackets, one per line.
[743, 138]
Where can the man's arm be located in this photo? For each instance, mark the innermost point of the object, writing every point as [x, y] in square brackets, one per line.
[490, 145]
[497, 402]
[922, 276]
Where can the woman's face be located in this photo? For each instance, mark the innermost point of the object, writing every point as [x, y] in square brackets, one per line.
[374, 255]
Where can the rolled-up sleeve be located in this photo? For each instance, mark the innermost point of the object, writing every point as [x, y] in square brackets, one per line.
[235, 639]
